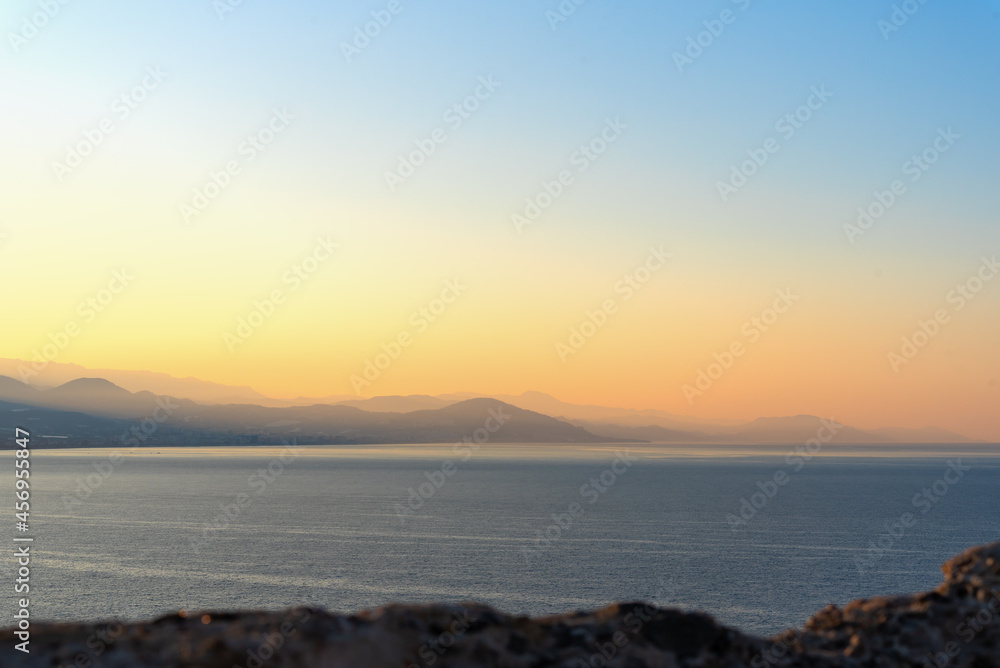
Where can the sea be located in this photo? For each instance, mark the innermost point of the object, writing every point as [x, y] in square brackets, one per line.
[761, 538]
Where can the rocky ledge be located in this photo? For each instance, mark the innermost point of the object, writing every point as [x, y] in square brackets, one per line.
[955, 626]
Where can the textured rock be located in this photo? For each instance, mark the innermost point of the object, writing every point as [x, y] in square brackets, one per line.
[955, 626]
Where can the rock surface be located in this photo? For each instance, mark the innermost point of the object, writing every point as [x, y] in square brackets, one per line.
[955, 626]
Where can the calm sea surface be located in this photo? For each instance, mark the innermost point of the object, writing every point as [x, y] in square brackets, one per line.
[328, 527]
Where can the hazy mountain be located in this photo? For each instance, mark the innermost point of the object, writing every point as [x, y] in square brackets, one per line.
[46, 424]
[397, 404]
[797, 429]
[206, 392]
[541, 417]
[111, 411]
[310, 401]
[521, 426]
[651, 433]
[16, 391]
[203, 391]
[94, 396]
[318, 419]
[549, 405]
[924, 435]
[790, 430]
[348, 424]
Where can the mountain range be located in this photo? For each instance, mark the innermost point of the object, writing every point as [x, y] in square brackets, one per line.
[97, 411]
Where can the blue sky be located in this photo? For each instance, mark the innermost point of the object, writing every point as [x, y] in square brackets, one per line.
[607, 59]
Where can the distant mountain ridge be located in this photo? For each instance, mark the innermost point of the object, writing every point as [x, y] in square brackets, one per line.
[203, 391]
[93, 411]
[769, 430]
[410, 418]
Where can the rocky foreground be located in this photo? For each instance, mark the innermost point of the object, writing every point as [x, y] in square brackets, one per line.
[956, 625]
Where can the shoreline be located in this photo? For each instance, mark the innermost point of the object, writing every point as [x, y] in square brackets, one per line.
[644, 451]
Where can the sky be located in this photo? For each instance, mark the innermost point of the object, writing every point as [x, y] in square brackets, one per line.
[263, 194]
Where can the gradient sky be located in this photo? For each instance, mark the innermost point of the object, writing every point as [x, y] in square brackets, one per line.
[656, 185]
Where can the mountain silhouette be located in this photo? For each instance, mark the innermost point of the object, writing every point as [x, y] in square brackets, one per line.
[397, 419]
